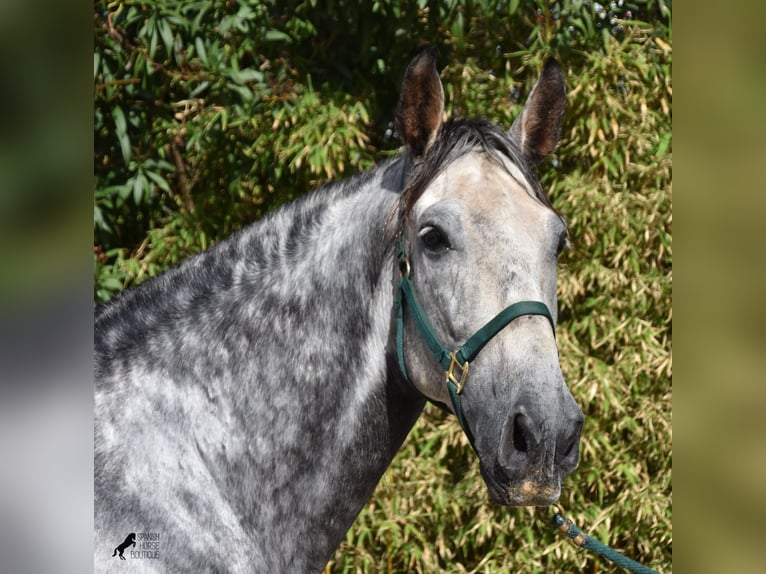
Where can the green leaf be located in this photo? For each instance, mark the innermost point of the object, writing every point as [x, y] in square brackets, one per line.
[245, 93]
[140, 185]
[610, 166]
[201, 51]
[159, 180]
[274, 35]
[123, 191]
[153, 41]
[199, 89]
[160, 164]
[99, 220]
[121, 128]
[246, 75]
[111, 283]
[167, 36]
[664, 144]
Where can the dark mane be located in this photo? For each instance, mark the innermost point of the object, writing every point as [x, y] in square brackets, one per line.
[457, 138]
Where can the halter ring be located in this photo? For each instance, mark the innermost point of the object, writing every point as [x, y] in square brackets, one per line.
[404, 266]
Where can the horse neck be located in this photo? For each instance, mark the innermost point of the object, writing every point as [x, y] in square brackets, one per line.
[268, 363]
[326, 410]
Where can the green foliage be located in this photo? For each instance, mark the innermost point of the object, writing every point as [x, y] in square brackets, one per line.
[209, 114]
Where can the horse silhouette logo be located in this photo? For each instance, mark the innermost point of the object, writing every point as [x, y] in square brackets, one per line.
[129, 541]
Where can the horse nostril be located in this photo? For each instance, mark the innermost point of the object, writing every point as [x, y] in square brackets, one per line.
[519, 440]
[568, 443]
[522, 432]
[570, 447]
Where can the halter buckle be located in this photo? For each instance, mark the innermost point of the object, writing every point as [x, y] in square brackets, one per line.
[404, 266]
[463, 374]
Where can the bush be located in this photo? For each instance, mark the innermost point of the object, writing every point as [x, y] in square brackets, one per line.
[209, 114]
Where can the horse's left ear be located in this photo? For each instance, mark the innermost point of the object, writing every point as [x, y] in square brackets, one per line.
[421, 103]
[538, 128]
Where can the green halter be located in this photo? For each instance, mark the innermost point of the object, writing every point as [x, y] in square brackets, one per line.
[455, 363]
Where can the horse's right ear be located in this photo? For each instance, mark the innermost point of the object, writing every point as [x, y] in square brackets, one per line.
[421, 103]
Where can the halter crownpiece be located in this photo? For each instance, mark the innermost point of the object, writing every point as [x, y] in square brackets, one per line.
[456, 364]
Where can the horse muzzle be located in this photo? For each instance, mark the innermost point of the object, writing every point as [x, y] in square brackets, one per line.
[533, 458]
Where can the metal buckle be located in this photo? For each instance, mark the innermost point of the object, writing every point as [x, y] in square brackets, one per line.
[450, 373]
[404, 266]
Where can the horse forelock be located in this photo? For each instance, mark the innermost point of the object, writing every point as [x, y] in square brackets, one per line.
[459, 137]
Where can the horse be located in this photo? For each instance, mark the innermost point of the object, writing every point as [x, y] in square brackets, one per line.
[248, 401]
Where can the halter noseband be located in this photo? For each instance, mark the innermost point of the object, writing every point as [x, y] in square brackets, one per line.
[455, 363]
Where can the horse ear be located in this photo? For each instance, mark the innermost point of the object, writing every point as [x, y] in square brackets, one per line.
[421, 103]
[538, 128]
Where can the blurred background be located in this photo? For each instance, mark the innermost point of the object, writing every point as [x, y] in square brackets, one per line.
[206, 115]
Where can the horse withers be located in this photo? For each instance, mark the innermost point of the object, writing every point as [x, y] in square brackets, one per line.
[248, 400]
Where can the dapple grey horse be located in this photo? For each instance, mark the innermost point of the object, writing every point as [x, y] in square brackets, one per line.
[248, 401]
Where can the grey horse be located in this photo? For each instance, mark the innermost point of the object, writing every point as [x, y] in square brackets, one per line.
[248, 401]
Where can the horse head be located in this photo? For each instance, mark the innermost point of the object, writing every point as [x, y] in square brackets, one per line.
[477, 235]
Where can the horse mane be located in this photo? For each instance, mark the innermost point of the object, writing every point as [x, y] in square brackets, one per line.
[458, 137]
[267, 247]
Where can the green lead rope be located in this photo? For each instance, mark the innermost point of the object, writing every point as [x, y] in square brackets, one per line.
[581, 540]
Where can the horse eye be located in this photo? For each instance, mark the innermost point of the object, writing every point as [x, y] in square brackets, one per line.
[433, 238]
[563, 243]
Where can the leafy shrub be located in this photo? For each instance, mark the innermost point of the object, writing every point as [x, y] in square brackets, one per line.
[209, 114]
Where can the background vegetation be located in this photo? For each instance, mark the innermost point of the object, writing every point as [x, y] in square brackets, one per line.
[209, 113]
